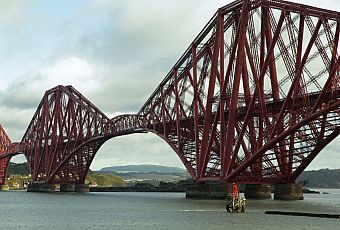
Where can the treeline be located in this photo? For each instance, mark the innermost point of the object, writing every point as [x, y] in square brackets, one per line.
[19, 175]
[19, 169]
[323, 178]
[104, 180]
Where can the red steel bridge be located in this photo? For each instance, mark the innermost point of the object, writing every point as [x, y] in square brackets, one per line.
[254, 99]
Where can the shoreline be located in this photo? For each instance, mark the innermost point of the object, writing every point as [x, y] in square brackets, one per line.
[134, 189]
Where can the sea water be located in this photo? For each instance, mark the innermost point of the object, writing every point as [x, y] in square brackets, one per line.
[22, 210]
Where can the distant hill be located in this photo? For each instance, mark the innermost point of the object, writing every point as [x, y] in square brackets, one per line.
[21, 168]
[323, 178]
[104, 180]
[143, 169]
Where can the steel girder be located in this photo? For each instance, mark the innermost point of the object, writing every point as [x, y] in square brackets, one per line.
[253, 99]
[5, 144]
[63, 136]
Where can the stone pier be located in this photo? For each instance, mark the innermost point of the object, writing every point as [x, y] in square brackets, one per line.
[67, 187]
[258, 191]
[290, 191]
[82, 188]
[41, 187]
[206, 191]
[4, 187]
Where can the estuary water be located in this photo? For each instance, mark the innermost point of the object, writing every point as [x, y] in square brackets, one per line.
[22, 210]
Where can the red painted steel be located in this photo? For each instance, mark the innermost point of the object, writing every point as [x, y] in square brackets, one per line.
[253, 99]
[256, 95]
[5, 143]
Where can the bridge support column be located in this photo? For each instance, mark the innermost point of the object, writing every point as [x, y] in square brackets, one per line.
[4, 187]
[290, 191]
[206, 191]
[41, 187]
[258, 191]
[82, 188]
[67, 187]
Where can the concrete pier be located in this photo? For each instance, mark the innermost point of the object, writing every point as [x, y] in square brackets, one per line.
[4, 187]
[41, 187]
[206, 191]
[82, 188]
[290, 191]
[258, 191]
[67, 187]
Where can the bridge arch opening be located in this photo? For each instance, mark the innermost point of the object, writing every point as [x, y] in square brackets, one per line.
[135, 149]
[16, 173]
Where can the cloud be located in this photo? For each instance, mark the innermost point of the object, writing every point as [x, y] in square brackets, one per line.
[328, 158]
[68, 69]
[9, 12]
[26, 91]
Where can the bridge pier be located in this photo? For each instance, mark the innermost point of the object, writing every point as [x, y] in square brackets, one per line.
[289, 191]
[41, 187]
[207, 191]
[4, 187]
[258, 191]
[67, 187]
[82, 188]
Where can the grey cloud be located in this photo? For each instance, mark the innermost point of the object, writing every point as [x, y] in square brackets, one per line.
[15, 121]
[18, 103]
[134, 32]
[19, 95]
[329, 157]
[126, 89]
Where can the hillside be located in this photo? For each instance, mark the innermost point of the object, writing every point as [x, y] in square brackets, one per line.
[21, 169]
[152, 174]
[115, 176]
[19, 172]
[145, 168]
[323, 178]
[104, 180]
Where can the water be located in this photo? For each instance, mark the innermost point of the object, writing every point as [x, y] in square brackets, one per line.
[22, 210]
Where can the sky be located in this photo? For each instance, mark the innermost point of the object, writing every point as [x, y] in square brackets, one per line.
[113, 52]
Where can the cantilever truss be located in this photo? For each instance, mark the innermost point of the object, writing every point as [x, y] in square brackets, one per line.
[256, 95]
[253, 99]
[65, 134]
[59, 134]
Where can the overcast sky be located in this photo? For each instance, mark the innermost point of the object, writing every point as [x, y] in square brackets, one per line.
[114, 52]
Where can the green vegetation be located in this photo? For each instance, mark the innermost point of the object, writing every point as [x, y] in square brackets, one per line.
[162, 176]
[323, 178]
[18, 177]
[150, 174]
[21, 169]
[104, 180]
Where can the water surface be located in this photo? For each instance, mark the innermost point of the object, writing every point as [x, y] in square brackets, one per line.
[22, 210]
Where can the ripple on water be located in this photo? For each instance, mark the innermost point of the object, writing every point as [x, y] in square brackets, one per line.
[22, 210]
